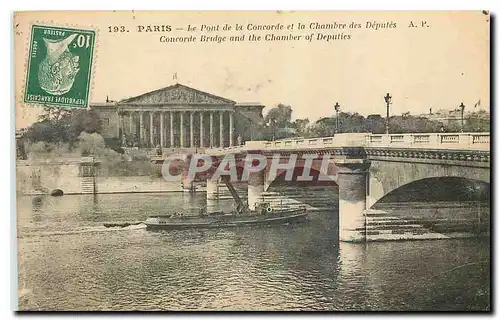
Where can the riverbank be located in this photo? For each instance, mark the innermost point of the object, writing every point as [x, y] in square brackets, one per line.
[82, 176]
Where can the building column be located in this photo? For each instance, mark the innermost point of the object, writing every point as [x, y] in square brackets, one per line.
[211, 129]
[141, 128]
[162, 130]
[352, 174]
[181, 125]
[151, 130]
[221, 129]
[171, 129]
[122, 124]
[202, 130]
[131, 123]
[191, 129]
[231, 129]
[255, 189]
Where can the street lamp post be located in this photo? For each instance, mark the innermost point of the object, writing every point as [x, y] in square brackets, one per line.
[388, 100]
[274, 128]
[462, 107]
[337, 109]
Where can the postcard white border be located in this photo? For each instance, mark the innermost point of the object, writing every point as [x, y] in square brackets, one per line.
[7, 120]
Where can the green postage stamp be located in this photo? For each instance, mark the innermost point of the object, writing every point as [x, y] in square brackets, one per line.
[59, 66]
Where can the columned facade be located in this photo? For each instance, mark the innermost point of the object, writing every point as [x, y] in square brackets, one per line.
[159, 128]
[175, 117]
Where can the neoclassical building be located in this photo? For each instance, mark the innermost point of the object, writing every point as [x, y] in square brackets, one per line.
[178, 116]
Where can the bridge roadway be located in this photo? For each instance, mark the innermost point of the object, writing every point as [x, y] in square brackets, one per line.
[366, 167]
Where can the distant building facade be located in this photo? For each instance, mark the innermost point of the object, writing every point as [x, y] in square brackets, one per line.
[449, 117]
[178, 116]
[446, 117]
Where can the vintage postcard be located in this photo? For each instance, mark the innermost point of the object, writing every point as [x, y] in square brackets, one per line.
[253, 160]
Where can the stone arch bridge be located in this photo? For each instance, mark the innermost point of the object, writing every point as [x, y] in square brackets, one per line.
[366, 167]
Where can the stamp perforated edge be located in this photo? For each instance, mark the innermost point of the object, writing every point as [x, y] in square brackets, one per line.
[26, 52]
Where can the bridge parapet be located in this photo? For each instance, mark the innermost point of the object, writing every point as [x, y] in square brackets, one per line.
[476, 141]
[468, 141]
[339, 140]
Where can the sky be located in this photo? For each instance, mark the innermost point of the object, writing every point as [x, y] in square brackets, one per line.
[436, 67]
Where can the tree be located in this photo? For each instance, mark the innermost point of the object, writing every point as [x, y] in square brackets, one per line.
[375, 124]
[352, 123]
[51, 113]
[277, 122]
[412, 124]
[85, 121]
[301, 126]
[46, 131]
[63, 126]
[348, 123]
[323, 127]
[280, 116]
[477, 122]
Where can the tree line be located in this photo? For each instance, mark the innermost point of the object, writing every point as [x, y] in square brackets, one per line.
[56, 127]
[278, 124]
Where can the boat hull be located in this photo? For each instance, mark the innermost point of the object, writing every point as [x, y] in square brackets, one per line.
[225, 221]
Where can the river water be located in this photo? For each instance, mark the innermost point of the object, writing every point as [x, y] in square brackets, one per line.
[68, 261]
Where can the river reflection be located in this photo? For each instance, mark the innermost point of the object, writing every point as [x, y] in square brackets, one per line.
[68, 261]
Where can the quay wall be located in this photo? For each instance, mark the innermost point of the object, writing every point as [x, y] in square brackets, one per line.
[42, 178]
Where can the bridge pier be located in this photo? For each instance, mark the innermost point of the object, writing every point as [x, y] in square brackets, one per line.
[188, 185]
[213, 195]
[255, 189]
[212, 189]
[352, 174]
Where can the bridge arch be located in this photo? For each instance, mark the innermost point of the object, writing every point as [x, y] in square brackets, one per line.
[435, 189]
[387, 177]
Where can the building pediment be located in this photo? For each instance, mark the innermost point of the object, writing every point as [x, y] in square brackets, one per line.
[177, 94]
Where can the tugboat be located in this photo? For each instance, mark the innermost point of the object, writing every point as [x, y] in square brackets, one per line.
[264, 214]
